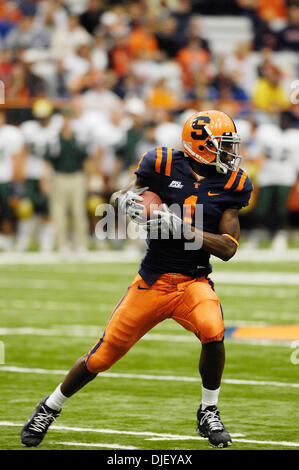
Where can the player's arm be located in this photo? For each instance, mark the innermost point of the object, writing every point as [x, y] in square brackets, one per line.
[223, 245]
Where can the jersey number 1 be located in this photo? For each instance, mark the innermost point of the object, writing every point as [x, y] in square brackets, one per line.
[190, 204]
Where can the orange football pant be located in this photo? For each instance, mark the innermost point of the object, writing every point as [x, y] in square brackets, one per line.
[191, 302]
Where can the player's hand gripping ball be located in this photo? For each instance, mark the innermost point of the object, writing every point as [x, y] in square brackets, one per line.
[151, 202]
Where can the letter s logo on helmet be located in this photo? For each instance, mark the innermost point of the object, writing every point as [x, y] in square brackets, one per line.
[210, 137]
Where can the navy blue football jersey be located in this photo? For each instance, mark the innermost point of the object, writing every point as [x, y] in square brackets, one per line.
[167, 172]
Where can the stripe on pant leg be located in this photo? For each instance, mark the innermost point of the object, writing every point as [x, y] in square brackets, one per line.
[98, 344]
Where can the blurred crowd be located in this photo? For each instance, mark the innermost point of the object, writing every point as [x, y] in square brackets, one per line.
[90, 85]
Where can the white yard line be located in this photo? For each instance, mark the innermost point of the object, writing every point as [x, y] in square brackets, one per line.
[245, 441]
[89, 332]
[256, 291]
[171, 378]
[54, 305]
[79, 331]
[147, 434]
[50, 284]
[97, 444]
[59, 306]
[156, 436]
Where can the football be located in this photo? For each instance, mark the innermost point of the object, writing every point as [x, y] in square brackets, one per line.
[151, 202]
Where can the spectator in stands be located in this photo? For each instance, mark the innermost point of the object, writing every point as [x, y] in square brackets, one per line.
[27, 35]
[271, 9]
[9, 16]
[102, 97]
[182, 13]
[240, 64]
[66, 40]
[6, 66]
[120, 56]
[264, 35]
[288, 38]
[82, 69]
[128, 86]
[23, 82]
[226, 86]
[269, 95]
[142, 42]
[161, 96]
[51, 13]
[28, 7]
[99, 52]
[194, 32]
[198, 93]
[168, 40]
[90, 19]
[113, 26]
[193, 60]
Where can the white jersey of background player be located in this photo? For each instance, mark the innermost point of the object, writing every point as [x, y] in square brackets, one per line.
[37, 137]
[11, 142]
[38, 134]
[280, 147]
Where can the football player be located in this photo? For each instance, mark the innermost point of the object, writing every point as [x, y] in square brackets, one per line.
[173, 282]
[278, 147]
[38, 134]
[11, 142]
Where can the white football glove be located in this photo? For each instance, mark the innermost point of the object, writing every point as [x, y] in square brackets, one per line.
[166, 222]
[128, 204]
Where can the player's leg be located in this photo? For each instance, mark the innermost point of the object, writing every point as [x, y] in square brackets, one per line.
[7, 218]
[46, 232]
[200, 311]
[59, 203]
[138, 311]
[279, 213]
[79, 213]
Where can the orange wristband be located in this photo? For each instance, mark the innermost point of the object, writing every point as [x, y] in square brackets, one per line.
[232, 238]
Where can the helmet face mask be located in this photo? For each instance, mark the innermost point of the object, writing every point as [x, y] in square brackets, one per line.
[228, 154]
[210, 137]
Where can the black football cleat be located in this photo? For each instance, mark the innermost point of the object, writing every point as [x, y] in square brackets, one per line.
[37, 424]
[210, 425]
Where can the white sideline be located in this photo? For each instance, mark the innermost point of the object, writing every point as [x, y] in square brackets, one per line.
[156, 436]
[108, 256]
[171, 378]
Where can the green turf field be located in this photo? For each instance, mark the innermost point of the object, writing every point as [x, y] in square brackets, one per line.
[52, 314]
